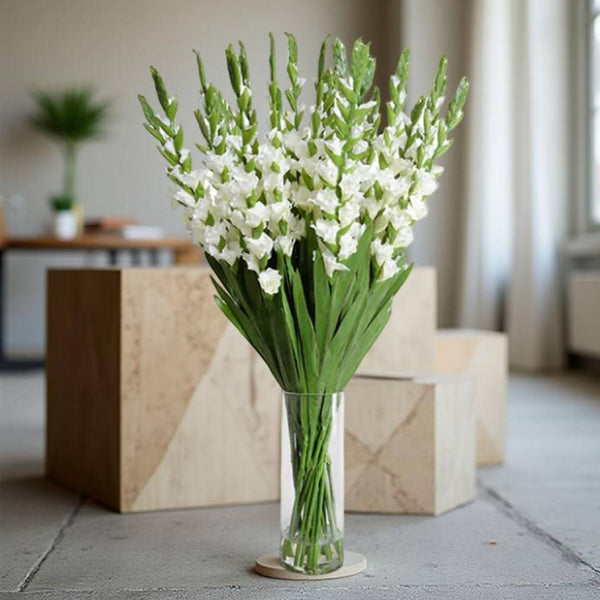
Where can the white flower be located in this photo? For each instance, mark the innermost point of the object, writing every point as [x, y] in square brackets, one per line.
[327, 230]
[256, 215]
[294, 141]
[214, 233]
[327, 200]
[328, 171]
[390, 268]
[270, 281]
[348, 245]
[247, 201]
[348, 213]
[427, 183]
[350, 184]
[191, 179]
[417, 209]
[280, 211]
[285, 243]
[372, 206]
[381, 251]
[260, 246]
[360, 147]
[335, 145]
[308, 165]
[397, 217]
[184, 198]
[272, 181]
[404, 238]
[331, 263]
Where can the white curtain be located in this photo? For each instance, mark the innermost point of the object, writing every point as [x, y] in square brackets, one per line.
[516, 182]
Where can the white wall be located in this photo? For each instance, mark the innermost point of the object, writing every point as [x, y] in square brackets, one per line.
[110, 43]
[431, 28]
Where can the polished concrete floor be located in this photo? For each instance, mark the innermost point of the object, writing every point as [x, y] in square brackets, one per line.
[533, 532]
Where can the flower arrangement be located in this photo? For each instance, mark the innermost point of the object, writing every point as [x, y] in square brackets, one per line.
[306, 229]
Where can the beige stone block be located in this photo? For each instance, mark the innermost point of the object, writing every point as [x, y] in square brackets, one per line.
[410, 444]
[150, 402]
[484, 356]
[407, 344]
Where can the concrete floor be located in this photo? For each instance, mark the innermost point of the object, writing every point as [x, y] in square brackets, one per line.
[532, 533]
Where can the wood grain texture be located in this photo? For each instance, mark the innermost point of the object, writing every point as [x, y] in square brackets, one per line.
[407, 344]
[410, 445]
[97, 241]
[482, 355]
[83, 381]
[157, 408]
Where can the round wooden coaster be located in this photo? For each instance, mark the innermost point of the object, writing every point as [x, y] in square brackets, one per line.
[269, 566]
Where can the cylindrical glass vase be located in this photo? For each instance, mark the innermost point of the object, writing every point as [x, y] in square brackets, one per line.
[312, 482]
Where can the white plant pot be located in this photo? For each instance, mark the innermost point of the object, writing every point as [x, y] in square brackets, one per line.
[65, 224]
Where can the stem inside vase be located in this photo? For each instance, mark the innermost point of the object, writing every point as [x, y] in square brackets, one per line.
[312, 483]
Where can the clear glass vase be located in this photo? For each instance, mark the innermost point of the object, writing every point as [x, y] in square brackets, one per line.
[312, 482]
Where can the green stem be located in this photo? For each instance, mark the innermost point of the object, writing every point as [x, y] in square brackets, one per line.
[70, 154]
[313, 530]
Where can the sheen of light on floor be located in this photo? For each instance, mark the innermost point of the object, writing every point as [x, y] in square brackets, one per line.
[532, 533]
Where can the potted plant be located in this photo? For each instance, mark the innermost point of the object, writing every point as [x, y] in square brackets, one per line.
[71, 117]
[64, 221]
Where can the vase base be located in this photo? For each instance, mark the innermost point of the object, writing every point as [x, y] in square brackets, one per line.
[269, 566]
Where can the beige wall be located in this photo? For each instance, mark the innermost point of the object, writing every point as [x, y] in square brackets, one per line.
[431, 28]
[111, 43]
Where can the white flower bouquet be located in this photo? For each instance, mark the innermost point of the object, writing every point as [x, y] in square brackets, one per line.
[306, 229]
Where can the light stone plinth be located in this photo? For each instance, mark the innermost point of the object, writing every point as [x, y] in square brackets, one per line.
[482, 355]
[410, 444]
[407, 344]
[150, 402]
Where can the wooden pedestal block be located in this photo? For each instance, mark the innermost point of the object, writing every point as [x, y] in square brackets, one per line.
[150, 402]
[410, 444]
[484, 356]
[407, 344]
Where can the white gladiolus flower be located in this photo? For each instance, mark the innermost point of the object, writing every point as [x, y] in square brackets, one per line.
[295, 142]
[258, 214]
[404, 238]
[191, 179]
[417, 209]
[328, 171]
[396, 217]
[308, 165]
[389, 269]
[182, 197]
[348, 213]
[331, 263]
[285, 243]
[327, 230]
[270, 281]
[349, 241]
[360, 147]
[335, 145]
[427, 183]
[350, 184]
[260, 246]
[381, 251]
[252, 197]
[327, 200]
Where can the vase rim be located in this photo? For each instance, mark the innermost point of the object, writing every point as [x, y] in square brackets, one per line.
[312, 393]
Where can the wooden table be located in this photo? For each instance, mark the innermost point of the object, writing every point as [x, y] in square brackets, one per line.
[183, 250]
